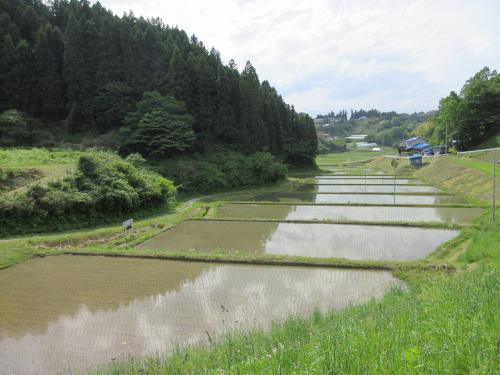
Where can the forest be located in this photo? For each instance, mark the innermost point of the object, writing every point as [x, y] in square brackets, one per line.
[72, 73]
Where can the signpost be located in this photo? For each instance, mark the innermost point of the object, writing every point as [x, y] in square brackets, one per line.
[127, 224]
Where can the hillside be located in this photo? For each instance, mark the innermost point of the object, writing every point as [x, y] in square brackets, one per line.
[72, 73]
[383, 128]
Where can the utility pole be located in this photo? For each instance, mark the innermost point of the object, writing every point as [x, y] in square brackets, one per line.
[446, 138]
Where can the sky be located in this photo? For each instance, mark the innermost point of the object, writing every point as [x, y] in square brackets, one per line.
[324, 55]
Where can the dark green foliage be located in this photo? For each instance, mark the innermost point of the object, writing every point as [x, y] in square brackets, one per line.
[111, 104]
[14, 129]
[302, 143]
[13, 178]
[103, 189]
[472, 116]
[223, 170]
[80, 69]
[159, 127]
[17, 129]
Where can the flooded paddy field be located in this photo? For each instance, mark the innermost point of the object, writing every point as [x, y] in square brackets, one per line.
[66, 314]
[355, 198]
[368, 181]
[359, 213]
[362, 177]
[303, 239]
[315, 188]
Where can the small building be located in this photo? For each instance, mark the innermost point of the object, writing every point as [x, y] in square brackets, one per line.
[410, 143]
[366, 144]
[357, 137]
[439, 150]
[415, 160]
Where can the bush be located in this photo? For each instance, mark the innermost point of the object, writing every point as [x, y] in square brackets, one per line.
[101, 190]
[223, 170]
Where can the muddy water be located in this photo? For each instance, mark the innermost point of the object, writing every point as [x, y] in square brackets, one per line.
[306, 188]
[360, 213]
[355, 198]
[312, 240]
[350, 177]
[368, 181]
[65, 314]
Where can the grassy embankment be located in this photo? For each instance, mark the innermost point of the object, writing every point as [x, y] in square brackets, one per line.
[42, 165]
[447, 322]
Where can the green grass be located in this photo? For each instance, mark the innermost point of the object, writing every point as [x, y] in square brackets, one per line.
[349, 156]
[480, 165]
[52, 164]
[32, 157]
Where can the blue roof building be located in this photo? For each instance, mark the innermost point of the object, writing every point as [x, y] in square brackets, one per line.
[415, 160]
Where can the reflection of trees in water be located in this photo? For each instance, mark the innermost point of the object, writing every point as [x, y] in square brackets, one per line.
[212, 235]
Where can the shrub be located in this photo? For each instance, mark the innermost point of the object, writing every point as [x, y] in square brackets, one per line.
[222, 170]
[101, 189]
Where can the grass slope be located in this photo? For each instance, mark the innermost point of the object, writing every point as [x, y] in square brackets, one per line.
[51, 165]
[461, 175]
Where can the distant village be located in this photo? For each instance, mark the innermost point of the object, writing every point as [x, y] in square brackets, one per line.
[413, 148]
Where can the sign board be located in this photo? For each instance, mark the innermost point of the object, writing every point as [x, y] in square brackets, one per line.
[127, 224]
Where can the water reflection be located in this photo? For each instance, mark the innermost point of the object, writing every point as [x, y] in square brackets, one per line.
[368, 181]
[355, 198]
[360, 213]
[118, 316]
[308, 188]
[313, 240]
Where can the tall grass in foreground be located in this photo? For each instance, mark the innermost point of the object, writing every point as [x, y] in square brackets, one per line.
[444, 325]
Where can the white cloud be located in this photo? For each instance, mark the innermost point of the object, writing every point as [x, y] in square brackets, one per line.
[333, 54]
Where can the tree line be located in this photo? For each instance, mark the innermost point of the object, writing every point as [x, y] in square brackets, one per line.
[470, 116]
[78, 69]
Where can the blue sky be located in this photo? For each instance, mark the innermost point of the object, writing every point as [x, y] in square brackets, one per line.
[323, 55]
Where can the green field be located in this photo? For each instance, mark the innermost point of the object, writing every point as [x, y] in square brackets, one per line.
[350, 156]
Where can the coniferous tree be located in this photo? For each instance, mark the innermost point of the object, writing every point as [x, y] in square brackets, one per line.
[48, 64]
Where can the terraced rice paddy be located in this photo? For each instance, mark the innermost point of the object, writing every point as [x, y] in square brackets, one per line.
[368, 177]
[70, 313]
[356, 198]
[359, 213]
[315, 188]
[66, 313]
[368, 181]
[308, 240]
